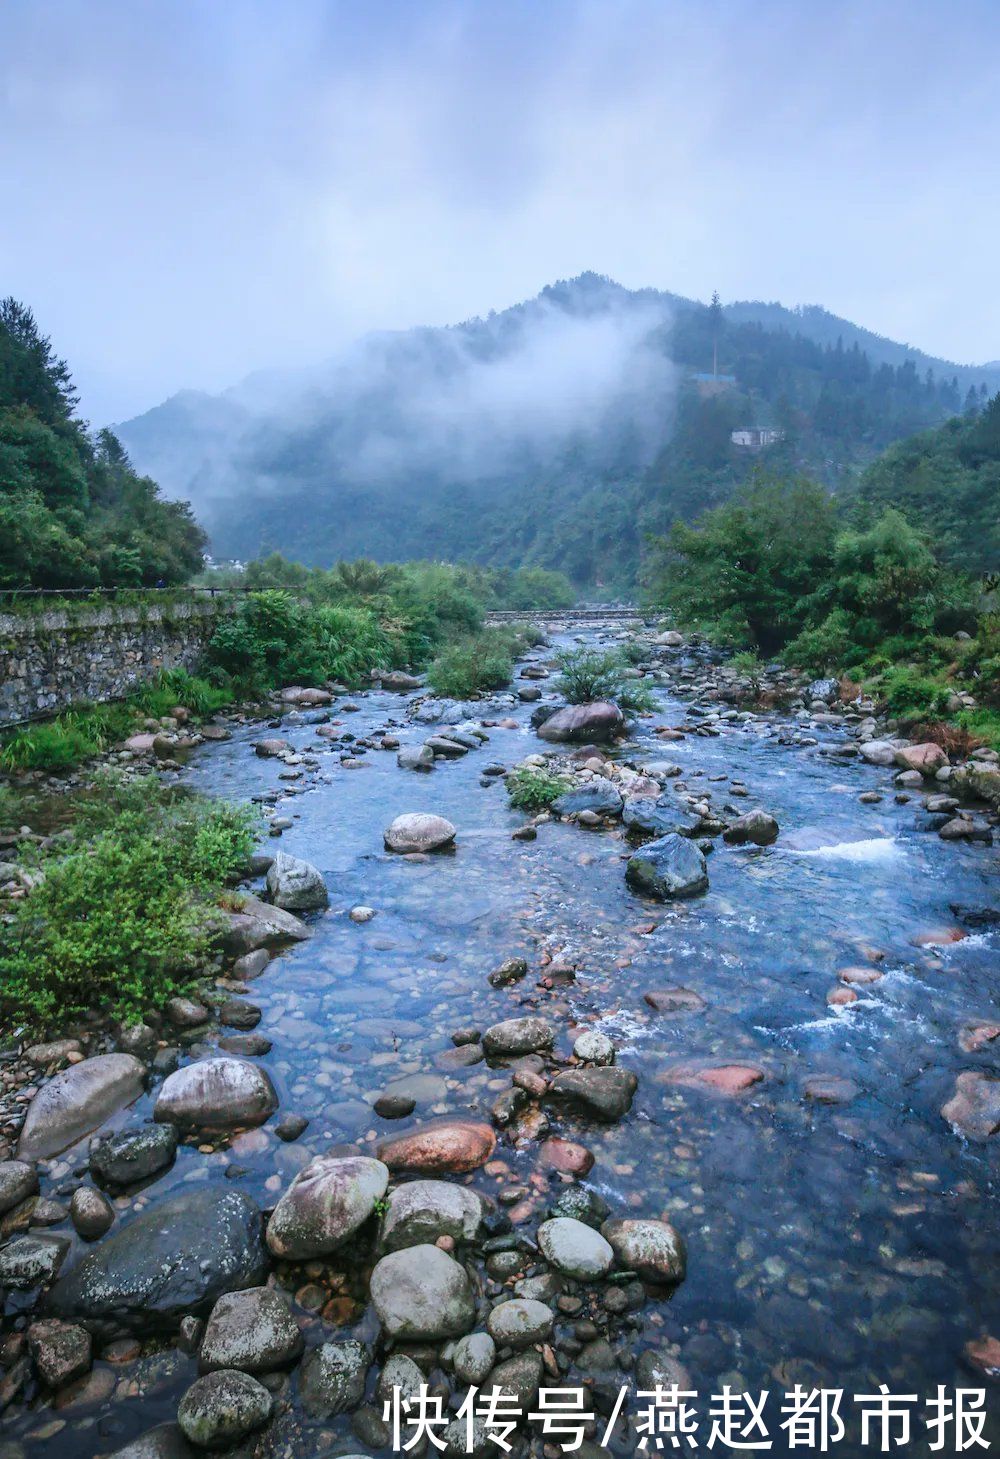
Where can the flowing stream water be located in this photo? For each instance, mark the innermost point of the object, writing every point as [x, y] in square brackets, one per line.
[838, 1245]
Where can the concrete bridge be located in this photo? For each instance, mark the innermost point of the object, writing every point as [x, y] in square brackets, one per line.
[569, 616]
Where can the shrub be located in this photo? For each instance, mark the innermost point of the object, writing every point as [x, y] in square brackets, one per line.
[588, 675]
[908, 694]
[533, 789]
[481, 663]
[121, 921]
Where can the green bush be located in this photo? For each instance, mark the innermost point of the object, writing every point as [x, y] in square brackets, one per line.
[907, 693]
[474, 666]
[589, 674]
[120, 921]
[533, 789]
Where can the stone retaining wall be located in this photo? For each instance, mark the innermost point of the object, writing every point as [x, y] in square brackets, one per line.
[51, 660]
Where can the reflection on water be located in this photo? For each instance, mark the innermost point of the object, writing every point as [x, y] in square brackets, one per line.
[836, 1244]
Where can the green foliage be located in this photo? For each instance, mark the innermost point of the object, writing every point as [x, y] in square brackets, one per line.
[473, 666]
[73, 513]
[749, 567]
[589, 674]
[909, 694]
[122, 918]
[532, 789]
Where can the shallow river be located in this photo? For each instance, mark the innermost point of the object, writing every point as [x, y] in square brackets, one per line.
[836, 1245]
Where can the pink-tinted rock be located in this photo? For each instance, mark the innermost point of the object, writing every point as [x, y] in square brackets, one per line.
[728, 1079]
[581, 722]
[830, 1089]
[566, 1156]
[927, 758]
[140, 744]
[859, 977]
[841, 997]
[974, 1108]
[976, 1036]
[938, 937]
[453, 1146]
[982, 1355]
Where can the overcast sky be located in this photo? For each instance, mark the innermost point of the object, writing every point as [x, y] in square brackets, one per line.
[195, 190]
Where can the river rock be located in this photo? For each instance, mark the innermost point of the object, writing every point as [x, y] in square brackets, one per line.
[296, 885]
[878, 752]
[418, 831]
[134, 1155]
[643, 816]
[268, 749]
[332, 1380]
[29, 1261]
[674, 1000]
[584, 723]
[518, 1378]
[574, 1249]
[473, 1358]
[592, 1047]
[174, 1260]
[400, 1373]
[654, 1249]
[216, 1094]
[324, 1205]
[668, 868]
[18, 1181]
[519, 1323]
[164, 1442]
[661, 1370]
[91, 1212]
[602, 1093]
[757, 828]
[61, 1351]
[222, 1408]
[77, 1101]
[251, 1330]
[518, 1036]
[422, 1210]
[974, 1107]
[566, 1156]
[415, 757]
[422, 1295]
[598, 795]
[259, 924]
[448, 1146]
[927, 758]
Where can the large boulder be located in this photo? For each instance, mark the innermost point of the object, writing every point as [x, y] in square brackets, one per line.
[927, 758]
[418, 831]
[669, 868]
[333, 1378]
[422, 1295]
[325, 1204]
[644, 816]
[878, 752]
[252, 1330]
[584, 724]
[222, 1408]
[259, 924]
[575, 1249]
[598, 795]
[175, 1259]
[216, 1094]
[164, 1442]
[422, 1210]
[444, 1147]
[515, 1036]
[654, 1249]
[599, 1092]
[296, 885]
[77, 1101]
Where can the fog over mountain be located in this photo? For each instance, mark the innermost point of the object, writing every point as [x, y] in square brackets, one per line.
[446, 441]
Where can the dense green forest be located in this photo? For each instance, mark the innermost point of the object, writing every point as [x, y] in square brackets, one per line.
[558, 433]
[73, 512]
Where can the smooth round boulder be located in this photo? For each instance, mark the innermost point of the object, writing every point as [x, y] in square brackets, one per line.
[654, 1249]
[422, 1295]
[474, 1357]
[601, 1092]
[757, 829]
[519, 1323]
[324, 1205]
[252, 1330]
[216, 1094]
[448, 1146]
[515, 1036]
[574, 1249]
[422, 1210]
[584, 723]
[91, 1212]
[222, 1408]
[418, 831]
[77, 1101]
[134, 1155]
[592, 1047]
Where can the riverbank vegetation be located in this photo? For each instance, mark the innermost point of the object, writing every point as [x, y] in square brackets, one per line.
[121, 913]
[849, 588]
[73, 512]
